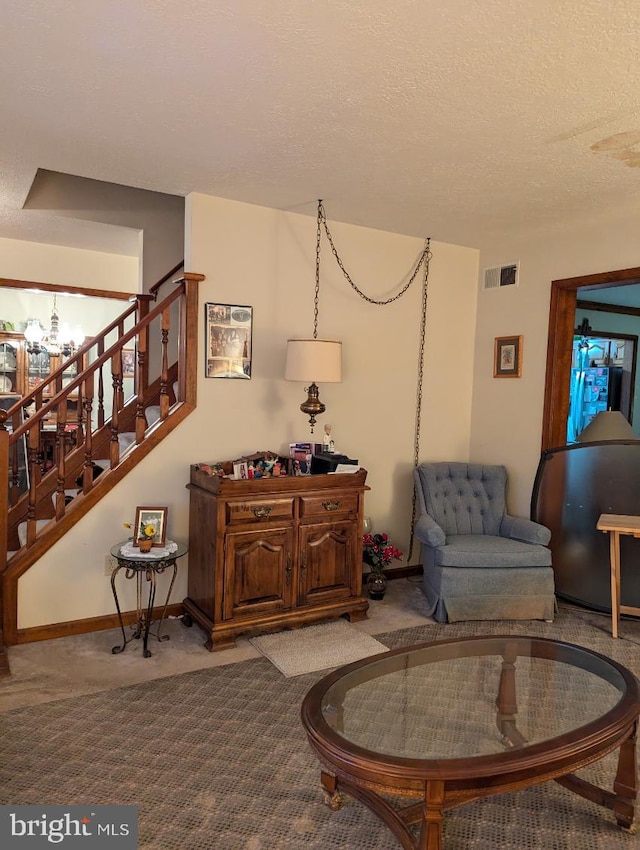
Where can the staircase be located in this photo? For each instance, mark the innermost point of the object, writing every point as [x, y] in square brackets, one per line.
[112, 433]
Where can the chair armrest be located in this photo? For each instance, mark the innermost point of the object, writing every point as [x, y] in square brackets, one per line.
[428, 531]
[526, 530]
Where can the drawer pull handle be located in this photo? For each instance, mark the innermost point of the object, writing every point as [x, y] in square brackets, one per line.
[331, 506]
[289, 567]
[262, 512]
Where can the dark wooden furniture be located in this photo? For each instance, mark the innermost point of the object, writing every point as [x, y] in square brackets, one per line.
[271, 553]
[573, 487]
[450, 722]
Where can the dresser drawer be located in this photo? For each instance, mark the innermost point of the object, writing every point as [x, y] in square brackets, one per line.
[258, 510]
[329, 505]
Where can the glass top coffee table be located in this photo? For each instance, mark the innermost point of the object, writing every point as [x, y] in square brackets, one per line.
[449, 722]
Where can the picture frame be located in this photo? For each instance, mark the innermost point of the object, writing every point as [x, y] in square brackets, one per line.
[507, 357]
[228, 341]
[156, 517]
[241, 470]
[128, 363]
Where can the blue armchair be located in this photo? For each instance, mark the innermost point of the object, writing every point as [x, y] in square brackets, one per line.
[479, 562]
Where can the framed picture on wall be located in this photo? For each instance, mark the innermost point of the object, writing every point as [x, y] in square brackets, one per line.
[228, 336]
[507, 357]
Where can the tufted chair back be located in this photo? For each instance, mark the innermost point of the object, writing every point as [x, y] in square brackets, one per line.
[464, 498]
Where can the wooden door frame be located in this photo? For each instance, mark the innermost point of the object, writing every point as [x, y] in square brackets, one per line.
[562, 312]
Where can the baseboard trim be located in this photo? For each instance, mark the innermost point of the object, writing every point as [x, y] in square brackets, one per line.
[91, 624]
[399, 572]
[110, 621]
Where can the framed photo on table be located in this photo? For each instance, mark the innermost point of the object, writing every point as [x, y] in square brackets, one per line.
[151, 522]
[228, 338]
[507, 357]
[128, 363]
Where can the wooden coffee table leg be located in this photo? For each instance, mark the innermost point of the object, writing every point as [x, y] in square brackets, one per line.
[431, 832]
[625, 785]
[332, 797]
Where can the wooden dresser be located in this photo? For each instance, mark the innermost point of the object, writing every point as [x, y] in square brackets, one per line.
[272, 553]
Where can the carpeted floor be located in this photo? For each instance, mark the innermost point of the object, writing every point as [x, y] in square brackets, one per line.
[216, 759]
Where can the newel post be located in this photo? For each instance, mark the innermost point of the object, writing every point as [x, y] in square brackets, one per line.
[188, 339]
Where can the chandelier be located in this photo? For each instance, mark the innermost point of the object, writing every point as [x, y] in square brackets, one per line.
[57, 340]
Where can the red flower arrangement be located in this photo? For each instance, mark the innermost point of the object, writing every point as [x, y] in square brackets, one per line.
[378, 552]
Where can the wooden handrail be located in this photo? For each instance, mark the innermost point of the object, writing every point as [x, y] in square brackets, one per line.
[84, 386]
[75, 359]
[153, 290]
[81, 377]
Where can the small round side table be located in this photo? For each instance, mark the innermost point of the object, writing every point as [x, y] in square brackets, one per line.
[144, 566]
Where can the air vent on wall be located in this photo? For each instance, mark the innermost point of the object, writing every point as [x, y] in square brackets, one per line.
[500, 276]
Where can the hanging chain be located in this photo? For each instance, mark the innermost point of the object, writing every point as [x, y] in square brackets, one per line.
[316, 299]
[322, 219]
[423, 332]
[422, 262]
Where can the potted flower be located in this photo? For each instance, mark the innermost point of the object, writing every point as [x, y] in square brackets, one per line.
[146, 535]
[378, 553]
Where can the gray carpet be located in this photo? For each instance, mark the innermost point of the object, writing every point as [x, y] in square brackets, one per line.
[217, 760]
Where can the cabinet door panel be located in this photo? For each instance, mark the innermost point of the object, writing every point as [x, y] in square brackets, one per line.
[327, 561]
[258, 571]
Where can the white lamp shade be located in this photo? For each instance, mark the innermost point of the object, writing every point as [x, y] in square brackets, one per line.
[607, 425]
[316, 361]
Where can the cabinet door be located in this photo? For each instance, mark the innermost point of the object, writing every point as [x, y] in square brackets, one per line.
[258, 572]
[328, 562]
[11, 379]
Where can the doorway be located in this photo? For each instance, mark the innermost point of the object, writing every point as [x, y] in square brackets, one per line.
[562, 320]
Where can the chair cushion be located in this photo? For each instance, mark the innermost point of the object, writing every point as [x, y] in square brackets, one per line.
[487, 550]
[464, 498]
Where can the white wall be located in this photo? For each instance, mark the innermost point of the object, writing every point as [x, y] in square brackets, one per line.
[266, 258]
[34, 261]
[506, 425]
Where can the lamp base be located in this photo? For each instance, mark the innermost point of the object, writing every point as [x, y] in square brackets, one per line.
[312, 406]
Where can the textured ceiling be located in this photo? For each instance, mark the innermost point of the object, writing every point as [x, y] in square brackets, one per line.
[455, 119]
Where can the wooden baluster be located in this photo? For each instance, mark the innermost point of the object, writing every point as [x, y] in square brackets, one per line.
[100, 385]
[164, 375]
[87, 471]
[83, 423]
[34, 479]
[59, 455]
[116, 377]
[14, 464]
[142, 371]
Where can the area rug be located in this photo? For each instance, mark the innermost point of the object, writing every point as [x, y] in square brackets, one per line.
[318, 647]
[217, 759]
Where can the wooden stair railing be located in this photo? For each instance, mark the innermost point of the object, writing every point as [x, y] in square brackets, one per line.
[45, 498]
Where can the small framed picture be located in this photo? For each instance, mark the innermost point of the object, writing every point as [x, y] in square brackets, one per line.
[241, 470]
[228, 332]
[507, 357]
[128, 363]
[151, 523]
